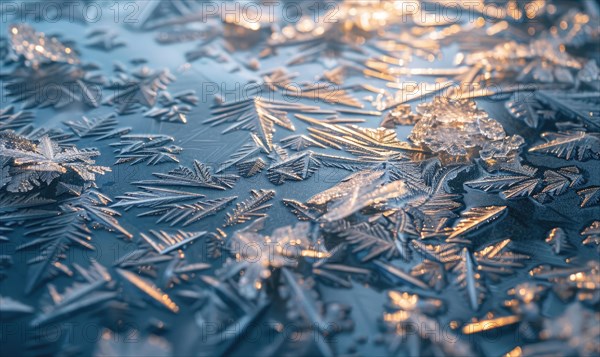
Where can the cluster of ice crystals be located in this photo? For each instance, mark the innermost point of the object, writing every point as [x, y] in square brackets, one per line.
[257, 255]
[37, 49]
[459, 128]
[502, 149]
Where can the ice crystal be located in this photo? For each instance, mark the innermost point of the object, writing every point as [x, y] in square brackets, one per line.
[174, 107]
[572, 280]
[302, 211]
[375, 240]
[457, 214]
[528, 110]
[37, 49]
[152, 149]
[103, 39]
[164, 242]
[139, 88]
[257, 115]
[500, 258]
[432, 272]
[55, 84]
[78, 297]
[70, 226]
[306, 307]
[570, 145]
[200, 175]
[365, 196]
[299, 142]
[407, 310]
[459, 129]
[576, 330]
[11, 308]
[286, 246]
[469, 279]
[344, 188]
[541, 185]
[476, 217]
[559, 241]
[398, 275]
[188, 213]
[151, 290]
[98, 127]
[250, 208]
[296, 167]
[33, 164]
[583, 106]
[36, 133]
[366, 142]
[154, 197]
[540, 61]
[11, 119]
[591, 235]
[400, 115]
[248, 158]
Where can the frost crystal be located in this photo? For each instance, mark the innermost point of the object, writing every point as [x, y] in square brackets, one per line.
[256, 255]
[36, 48]
[460, 227]
[54, 84]
[35, 163]
[460, 129]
